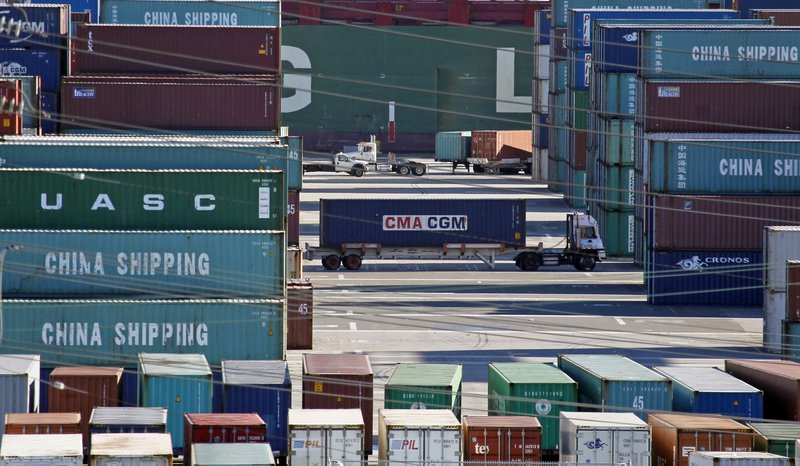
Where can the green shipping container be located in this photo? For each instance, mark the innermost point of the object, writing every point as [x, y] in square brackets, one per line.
[580, 109]
[618, 230]
[616, 186]
[619, 142]
[424, 386]
[142, 199]
[775, 437]
[520, 388]
[577, 188]
[453, 146]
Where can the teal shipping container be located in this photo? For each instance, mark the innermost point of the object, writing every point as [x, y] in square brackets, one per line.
[618, 230]
[158, 153]
[613, 381]
[453, 146]
[727, 164]
[778, 438]
[149, 264]
[616, 186]
[424, 386]
[113, 332]
[182, 383]
[576, 187]
[710, 390]
[142, 199]
[542, 390]
[561, 7]
[763, 52]
[617, 141]
[191, 12]
[615, 94]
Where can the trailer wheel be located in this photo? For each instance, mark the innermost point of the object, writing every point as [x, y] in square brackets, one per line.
[419, 170]
[587, 263]
[477, 169]
[528, 261]
[490, 170]
[331, 262]
[357, 172]
[403, 170]
[352, 262]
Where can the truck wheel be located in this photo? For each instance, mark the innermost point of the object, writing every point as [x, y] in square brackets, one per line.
[331, 262]
[528, 261]
[403, 170]
[419, 170]
[352, 262]
[357, 172]
[490, 170]
[587, 263]
[477, 169]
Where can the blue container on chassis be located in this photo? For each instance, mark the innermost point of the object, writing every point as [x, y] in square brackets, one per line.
[113, 332]
[262, 387]
[45, 63]
[154, 264]
[422, 222]
[43, 26]
[705, 277]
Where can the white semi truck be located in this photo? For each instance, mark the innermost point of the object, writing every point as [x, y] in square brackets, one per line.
[365, 159]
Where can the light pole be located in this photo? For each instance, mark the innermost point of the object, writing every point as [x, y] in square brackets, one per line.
[3, 252]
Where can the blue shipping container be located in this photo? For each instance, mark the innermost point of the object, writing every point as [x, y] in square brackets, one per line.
[544, 21]
[106, 332]
[30, 62]
[421, 222]
[580, 70]
[745, 6]
[80, 6]
[262, 387]
[50, 113]
[705, 277]
[192, 12]
[43, 26]
[710, 390]
[541, 138]
[197, 264]
[561, 7]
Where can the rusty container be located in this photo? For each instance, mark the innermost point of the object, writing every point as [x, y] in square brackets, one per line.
[43, 423]
[793, 290]
[779, 380]
[300, 313]
[492, 440]
[340, 381]
[677, 435]
[221, 428]
[81, 389]
[780, 17]
[293, 219]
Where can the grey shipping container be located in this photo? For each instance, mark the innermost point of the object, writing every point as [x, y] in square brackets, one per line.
[19, 385]
[137, 449]
[42, 450]
[724, 458]
[604, 438]
[127, 419]
[223, 454]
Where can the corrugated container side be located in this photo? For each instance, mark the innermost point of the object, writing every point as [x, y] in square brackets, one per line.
[780, 18]
[408, 436]
[781, 243]
[294, 262]
[19, 385]
[776, 438]
[10, 114]
[561, 9]
[326, 436]
[424, 386]
[492, 439]
[604, 438]
[135, 449]
[299, 314]
[676, 435]
[45, 26]
[63, 450]
[715, 458]
[779, 380]
[453, 146]
[45, 63]
[191, 12]
[43, 423]
[128, 420]
[224, 454]
[712, 391]
[293, 219]
[221, 428]
[502, 145]
[793, 290]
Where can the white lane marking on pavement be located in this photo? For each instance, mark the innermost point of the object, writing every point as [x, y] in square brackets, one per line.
[619, 321]
[353, 326]
[341, 277]
[326, 326]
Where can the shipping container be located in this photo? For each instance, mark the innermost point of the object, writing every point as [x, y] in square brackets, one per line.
[320, 437]
[51, 107]
[779, 380]
[779, 17]
[42, 450]
[117, 48]
[19, 385]
[780, 243]
[91, 263]
[793, 290]
[299, 314]
[717, 458]
[262, 387]
[604, 438]
[192, 12]
[233, 102]
[294, 262]
[182, 383]
[421, 222]
[138, 449]
[43, 423]
[12, 108]
[42, 26]
[44, 63]
[532, 388]
[490, 440]
[226, 454]
[684, 222]
[777, 438]
[340, 381]
[142, 199]
[710, 390]
[102, 332]
[677, 435]
[746, 7]
[615, 381]
[156, 152]
[88, 8]
[293, 218]
[128, 420]
[221, 428]
[617, 228]
[789, 339]
[31, 104]
[561, 7]
[425, 436]
[507, 146]
[704, 277]
[453, 146]
[424, 386]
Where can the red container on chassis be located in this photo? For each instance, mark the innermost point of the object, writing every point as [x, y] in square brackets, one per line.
[722, 223]
[293, 215]
[779, 380]
[502, 439]
[300, 313]
[780, 17]
[11, 107]
[43, 423]
[83, 389]
[720, 106]
[118, 48]
[340, 381]
[236, 103]
[221, 428]
[502, 145]
[793, 291]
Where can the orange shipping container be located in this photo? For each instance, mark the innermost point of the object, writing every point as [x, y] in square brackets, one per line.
[510, 146]
[503, 439]
[676, 435]
[43, 423]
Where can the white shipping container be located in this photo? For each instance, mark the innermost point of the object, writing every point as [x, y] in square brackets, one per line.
[430, 437]
[19, 385]
[781, 243]
[138, 449]
[225, 454]
[774, 313]
[605, 438]
[540, 89]
[42, 450]
[321, 437]
[729, 458]
[541, 63]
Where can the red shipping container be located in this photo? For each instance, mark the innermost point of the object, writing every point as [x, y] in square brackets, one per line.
[779, 380]
[720, 106]
[340, 381]
[793, 291]
[10, 107]
[81, 389]
[780, 17]
[43, 423]
[237, 103]
[502, 145]
[695, 223]
[300, 313]
[117, 48]
[293, 229]
[578, 159]
[675, 435]
[503, 439]
[221, 428]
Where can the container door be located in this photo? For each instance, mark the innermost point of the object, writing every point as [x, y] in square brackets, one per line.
[442, 447]
[632, 447]
[733, 441]
[405, 447]
[594, 446]
[693, 441]
[307, 448]
[345, 445]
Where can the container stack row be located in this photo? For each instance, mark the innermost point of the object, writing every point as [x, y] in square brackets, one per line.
[540, 88]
